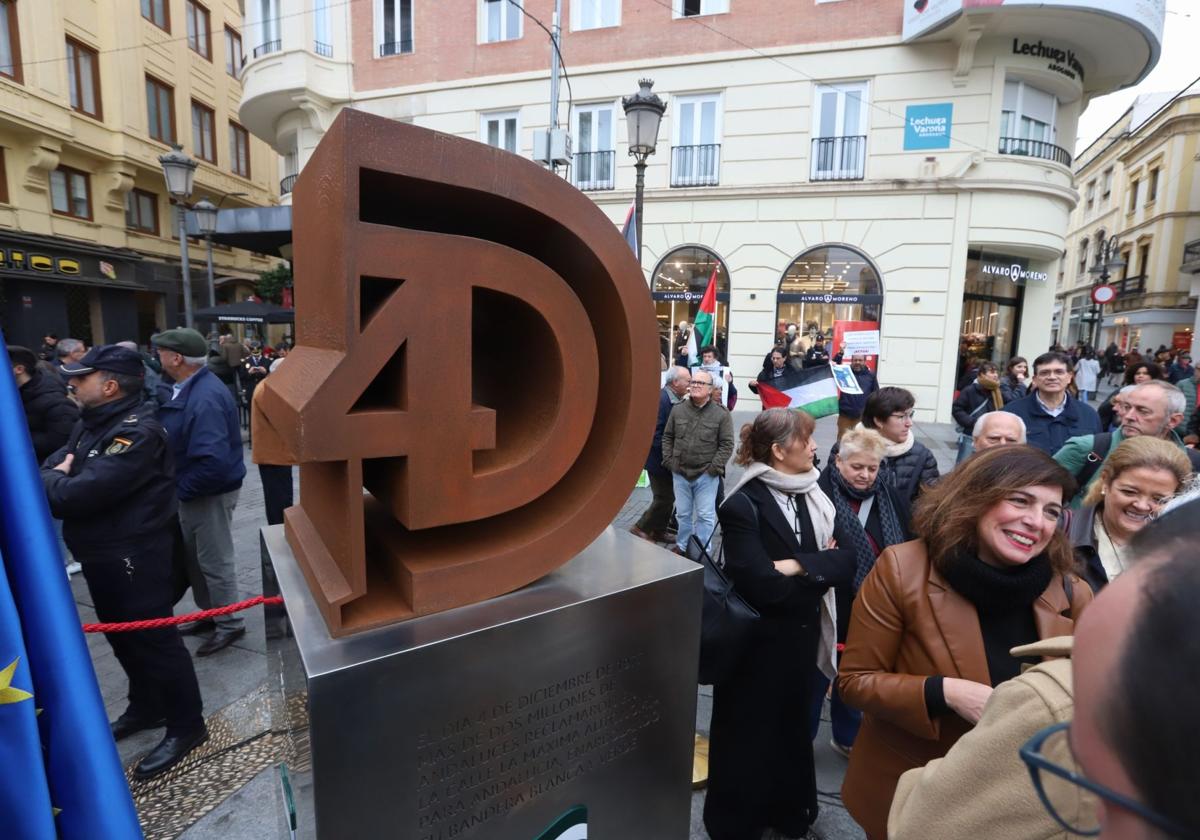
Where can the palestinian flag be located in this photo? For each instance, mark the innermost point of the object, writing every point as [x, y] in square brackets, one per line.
[570, 826]
[705, 327]
[813, 390]
[629, 229]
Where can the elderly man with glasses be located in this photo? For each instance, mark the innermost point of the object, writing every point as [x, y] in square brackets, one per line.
[697, 442]
[1051, 415]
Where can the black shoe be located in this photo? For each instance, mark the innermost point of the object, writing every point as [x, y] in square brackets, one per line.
[219, 641]
[196, 628]
[128, 724]
[169, 752]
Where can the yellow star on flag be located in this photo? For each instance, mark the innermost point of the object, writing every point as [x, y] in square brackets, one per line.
[8, 694]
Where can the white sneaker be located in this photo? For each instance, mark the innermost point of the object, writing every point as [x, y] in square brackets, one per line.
[73, 568]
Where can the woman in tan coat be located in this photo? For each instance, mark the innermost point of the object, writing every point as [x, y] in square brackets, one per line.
[932, 626]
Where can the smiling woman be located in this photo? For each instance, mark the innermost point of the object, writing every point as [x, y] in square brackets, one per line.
[931, 629]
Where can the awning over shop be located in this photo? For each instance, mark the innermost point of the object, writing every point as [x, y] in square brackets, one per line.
[247, 312]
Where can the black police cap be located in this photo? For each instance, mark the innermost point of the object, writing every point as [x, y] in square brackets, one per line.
[109, 357]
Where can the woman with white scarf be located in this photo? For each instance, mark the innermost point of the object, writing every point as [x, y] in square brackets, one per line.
[781, 552]
[908, 465]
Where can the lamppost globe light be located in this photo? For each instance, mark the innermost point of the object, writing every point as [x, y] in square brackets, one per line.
[643, 114]
[179, 171]
[206, 216]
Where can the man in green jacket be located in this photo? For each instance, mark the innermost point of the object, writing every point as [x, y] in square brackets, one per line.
[696, 443]
[1153, 408]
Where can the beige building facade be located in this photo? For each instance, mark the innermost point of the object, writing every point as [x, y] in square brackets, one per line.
[849, 166]
[91, 94]
[1138, 182]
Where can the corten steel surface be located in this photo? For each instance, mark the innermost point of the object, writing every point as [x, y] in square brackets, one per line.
[477, 350]
[488, 721]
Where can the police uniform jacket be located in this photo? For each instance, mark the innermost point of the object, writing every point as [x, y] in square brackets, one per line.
[206, 438]
[121, 487]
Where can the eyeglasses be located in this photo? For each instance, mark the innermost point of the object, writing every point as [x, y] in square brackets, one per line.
[1058, 372]
[1068, 795]
[903, 415]
[700, 384]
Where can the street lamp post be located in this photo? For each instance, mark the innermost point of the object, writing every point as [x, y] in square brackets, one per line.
[643, 114]
[206, 223]
[1108, 259]
[179, 170]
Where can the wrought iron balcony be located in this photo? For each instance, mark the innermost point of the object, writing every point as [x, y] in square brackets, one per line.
[696, 166]
[323, 49]
[395, 48]
[1128, 286]
[286, 185]
[1034, 148]
[268, 47]
[594, 170]
[839, 158]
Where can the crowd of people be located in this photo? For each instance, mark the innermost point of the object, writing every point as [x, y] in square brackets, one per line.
[142, 462]
[954, 598]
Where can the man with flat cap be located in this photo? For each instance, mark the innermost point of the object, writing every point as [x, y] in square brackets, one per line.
[206, 438]
[112, 485]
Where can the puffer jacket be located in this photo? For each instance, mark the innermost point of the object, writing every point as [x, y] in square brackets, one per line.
[48, 411]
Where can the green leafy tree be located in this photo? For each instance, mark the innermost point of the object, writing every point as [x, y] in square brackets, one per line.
[271, 282]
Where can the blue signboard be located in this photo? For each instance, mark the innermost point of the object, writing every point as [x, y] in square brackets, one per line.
[928, 126]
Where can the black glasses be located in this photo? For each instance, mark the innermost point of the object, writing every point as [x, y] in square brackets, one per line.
[1068, 795]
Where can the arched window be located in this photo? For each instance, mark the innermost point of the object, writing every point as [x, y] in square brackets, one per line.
[680, 279]
[826, 291]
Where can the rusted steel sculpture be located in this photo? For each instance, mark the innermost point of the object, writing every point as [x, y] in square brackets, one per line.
[473, 393]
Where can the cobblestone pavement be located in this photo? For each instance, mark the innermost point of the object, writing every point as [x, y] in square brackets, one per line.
[233, 789]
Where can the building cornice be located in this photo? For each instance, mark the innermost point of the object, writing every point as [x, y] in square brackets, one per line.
[1177, 125]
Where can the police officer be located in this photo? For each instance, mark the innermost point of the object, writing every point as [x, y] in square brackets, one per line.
[113, 486]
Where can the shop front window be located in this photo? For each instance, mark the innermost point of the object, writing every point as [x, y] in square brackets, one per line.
[680, 280]
[993, 295]
[826, 292]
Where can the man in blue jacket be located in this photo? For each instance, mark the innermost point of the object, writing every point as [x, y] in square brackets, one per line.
[202, 428]
[850, 406]
[1051, 415]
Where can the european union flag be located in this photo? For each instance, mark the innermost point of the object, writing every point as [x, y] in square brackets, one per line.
[60, 775]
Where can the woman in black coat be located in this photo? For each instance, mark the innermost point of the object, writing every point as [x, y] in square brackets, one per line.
[974, 401]
[908, 465]
[781, 553]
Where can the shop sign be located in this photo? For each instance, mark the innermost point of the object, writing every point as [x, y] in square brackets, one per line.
[19, 259]
[828, 297]
[928, 126]
[1062, 60]
[688, 297]
[1011, 269]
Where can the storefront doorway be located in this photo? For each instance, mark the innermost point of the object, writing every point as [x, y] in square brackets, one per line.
[991, 314]
[826, 290]
[680, 279]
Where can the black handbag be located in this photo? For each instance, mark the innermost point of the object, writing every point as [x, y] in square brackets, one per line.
[726, 621]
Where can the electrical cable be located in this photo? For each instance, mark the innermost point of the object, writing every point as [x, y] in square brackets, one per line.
[561, 63]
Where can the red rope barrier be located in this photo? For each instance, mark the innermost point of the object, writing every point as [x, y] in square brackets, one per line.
[155, 623]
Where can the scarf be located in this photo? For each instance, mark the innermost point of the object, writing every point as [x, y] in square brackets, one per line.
[823, 515]
[998, 590]
[993, 390]
[847, 519]
[895, 450]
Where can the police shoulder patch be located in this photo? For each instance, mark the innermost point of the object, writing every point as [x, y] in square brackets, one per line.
[131, 420]
[118, 445]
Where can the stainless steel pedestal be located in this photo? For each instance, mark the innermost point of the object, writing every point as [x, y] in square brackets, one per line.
[508, 719]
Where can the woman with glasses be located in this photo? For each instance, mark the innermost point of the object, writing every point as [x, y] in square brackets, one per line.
[1137, 479]
[873, 516]
[934, 621]
[782, 553]
[908, 465]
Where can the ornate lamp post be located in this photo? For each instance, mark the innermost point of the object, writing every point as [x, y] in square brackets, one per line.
[1108, 260]
[179, 170]
[643, 114]
[206, 223]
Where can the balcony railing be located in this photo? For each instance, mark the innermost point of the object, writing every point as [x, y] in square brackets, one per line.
[594, 170]
[323, 49]
[286, 185]
[1034, 148]
[839, 158]
[268, 47]
[696, 166]
[395, 48]
[1127, 286]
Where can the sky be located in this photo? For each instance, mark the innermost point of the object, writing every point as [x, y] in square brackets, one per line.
[1176, 68]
